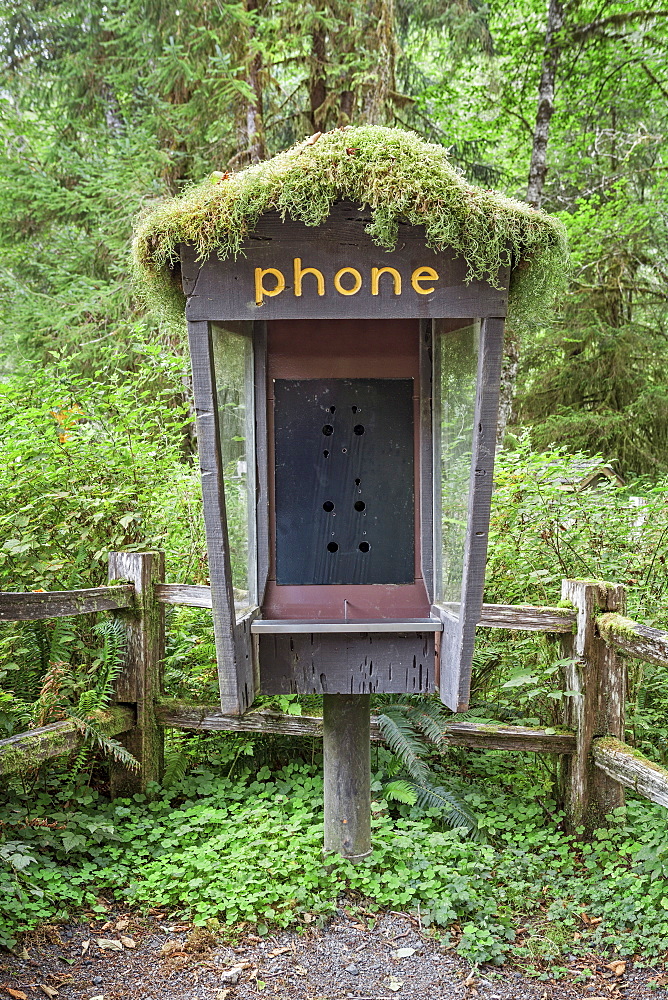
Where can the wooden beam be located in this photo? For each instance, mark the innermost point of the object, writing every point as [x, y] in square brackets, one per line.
[632, 769]
[26, 751]
[181, 715]
[189, 595]
[639, 641]
[35, 605]
[527, 618]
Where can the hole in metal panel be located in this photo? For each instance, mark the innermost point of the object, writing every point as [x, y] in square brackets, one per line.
[326, 453]
[332, 409]
[358, 429]
[327, 430]
[357, 482]
[363, 546]
[328, 506]
[355, 409]
[359, 505]
[332, 547]
[344, 451]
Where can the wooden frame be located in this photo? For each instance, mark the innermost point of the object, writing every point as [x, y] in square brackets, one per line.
[596, 763]
[289, 271]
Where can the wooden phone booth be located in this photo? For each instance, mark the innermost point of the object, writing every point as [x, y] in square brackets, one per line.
[346, 398]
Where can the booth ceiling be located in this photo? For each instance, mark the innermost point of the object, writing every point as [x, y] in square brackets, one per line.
[396, 177]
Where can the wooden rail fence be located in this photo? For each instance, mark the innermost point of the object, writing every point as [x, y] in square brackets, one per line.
[595, 640]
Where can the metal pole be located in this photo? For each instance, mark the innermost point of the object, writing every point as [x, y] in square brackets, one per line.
[347, 764]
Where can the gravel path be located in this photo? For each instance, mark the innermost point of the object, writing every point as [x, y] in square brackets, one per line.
[152, 958]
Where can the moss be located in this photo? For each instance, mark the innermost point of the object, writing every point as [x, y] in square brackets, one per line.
[612, 624]
[613, 744]
[397, 176]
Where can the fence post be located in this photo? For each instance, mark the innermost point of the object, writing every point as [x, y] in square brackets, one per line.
[138, 684]
[596, 675]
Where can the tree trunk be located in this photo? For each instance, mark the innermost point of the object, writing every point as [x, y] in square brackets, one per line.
[250, 117]
[538, 167]
[317, 87]
[537, 175]
[380, 83]
[511, 363]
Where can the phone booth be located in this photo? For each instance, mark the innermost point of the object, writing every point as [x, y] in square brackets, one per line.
[346, 401]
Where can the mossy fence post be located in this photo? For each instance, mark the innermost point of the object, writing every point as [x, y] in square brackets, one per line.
[596, 676]
[139, 683]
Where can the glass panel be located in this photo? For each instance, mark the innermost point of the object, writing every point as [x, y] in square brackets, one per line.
[456, 367]
[233, 363]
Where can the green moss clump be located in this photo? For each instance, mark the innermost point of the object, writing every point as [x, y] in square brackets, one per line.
[612, 624]
[397, 176]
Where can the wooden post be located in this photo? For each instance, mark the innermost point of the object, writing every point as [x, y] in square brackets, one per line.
[139, 683]
[597, 676]
[347, 765]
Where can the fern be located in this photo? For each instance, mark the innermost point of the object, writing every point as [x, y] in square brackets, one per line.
[405, 722]
[453, 810]
[99, 697]
[399, 734]
[111, 747]
[400, 791]
[176, 760]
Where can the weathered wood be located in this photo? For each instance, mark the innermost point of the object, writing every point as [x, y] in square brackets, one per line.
[226, 290]
[631, 768]
[524, 617]
[189, 595]
[35, 605]
[640, 641]
[596, 675]
[233, 645]
[25, 751]
[140, 681]
[347, 775]
[181, 715]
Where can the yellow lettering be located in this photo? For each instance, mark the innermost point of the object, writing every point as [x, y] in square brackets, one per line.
[423, 274]
[301, 271]
[357, 281]
[260, 290]
[375, 278]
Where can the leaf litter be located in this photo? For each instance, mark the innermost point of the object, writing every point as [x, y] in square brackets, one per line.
[311, 965]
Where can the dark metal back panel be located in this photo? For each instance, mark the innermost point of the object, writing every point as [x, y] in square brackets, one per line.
[345, 505]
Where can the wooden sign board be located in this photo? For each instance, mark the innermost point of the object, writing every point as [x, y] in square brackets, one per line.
[287, 270]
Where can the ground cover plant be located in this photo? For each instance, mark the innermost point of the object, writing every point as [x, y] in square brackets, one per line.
[233, 845]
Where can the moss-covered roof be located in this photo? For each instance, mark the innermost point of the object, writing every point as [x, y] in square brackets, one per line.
[396, 175]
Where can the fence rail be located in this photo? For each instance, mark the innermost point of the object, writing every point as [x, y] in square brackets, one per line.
[594, 633]
[38, 604]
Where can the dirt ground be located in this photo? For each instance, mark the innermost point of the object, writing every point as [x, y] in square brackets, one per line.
[153, 958]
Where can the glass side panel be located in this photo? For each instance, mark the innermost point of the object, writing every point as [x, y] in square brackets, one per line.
[233, 363]
[456, 367]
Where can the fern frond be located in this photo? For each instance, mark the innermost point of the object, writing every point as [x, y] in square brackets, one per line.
[453, 810]
[176, 760]
[111, 747]
[113, 634]
[399, 735]
[400, 791]
[430, 719]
